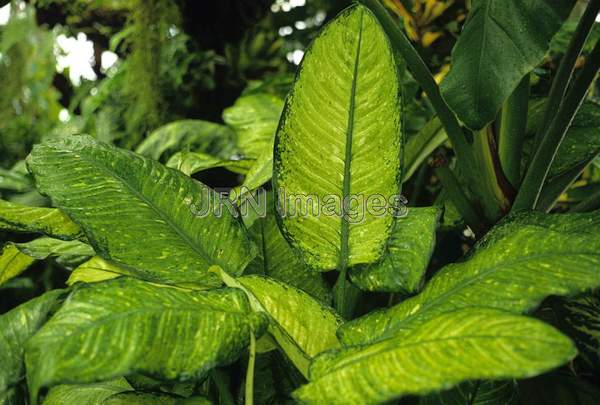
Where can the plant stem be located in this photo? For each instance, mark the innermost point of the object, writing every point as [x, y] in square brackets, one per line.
[423, 76]
[565, 69]
[340, 291]
[591, 203]
[249, 392]
[458, 198]
[512, 131]
[539, 167]
[219, 379]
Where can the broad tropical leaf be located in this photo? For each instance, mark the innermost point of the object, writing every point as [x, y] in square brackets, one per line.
[194, 162]
[157, 222]
[125, 326]
[15, 258]
[302, 326]
[407, 255]
[254, 118]
[501, 42]
[476, 393]
[16, 327]
[96, 393]
[190, 135]
[276, 259]
[49, 221]
[474, 343]
[514, 268]
[339, 143]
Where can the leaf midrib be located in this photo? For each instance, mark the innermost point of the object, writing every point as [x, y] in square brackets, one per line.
[344, 224]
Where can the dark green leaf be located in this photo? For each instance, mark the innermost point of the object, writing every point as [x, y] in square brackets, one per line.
[501, 42]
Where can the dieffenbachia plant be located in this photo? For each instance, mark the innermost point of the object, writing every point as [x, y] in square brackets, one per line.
[175, 296]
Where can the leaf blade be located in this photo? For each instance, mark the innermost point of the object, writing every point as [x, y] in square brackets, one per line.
[340, 137]
[501, 42]
[120, 198]
[468, 344]
[558, 254]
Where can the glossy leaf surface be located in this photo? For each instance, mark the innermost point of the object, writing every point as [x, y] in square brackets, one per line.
[467, 344]
[125, 326]
[48, 221]
[16, 327]
[407, 255]
[501, 42]
[187, 135]
[157, 222]
[513, 268]
[338, 143]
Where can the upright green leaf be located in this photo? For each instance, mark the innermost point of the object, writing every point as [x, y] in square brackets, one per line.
[49, 221]
[157, 222]
[302, 326]
[16, 327]
[501, 42]
[276, 259]
[406, 257]
[96, 393]
[254, 118]
[474, 343]
[125, 326]
[339, 143]
[513, 268]
[192, 135]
